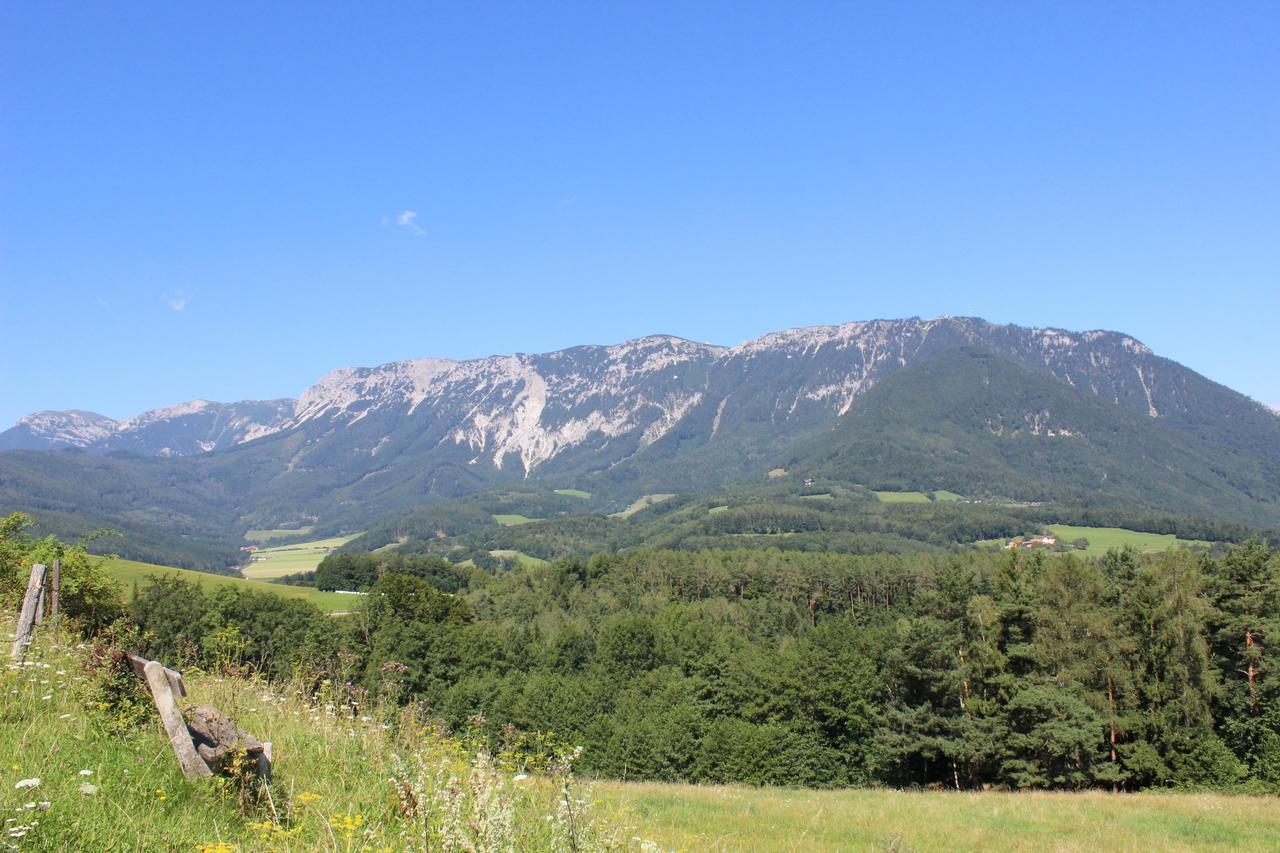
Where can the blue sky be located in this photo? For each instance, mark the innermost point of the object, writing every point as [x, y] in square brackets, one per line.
[225, 201]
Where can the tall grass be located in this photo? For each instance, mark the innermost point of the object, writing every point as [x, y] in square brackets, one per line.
[78, 776]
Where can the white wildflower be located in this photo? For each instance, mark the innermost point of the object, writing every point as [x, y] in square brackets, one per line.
[28, 783]
[86, 772]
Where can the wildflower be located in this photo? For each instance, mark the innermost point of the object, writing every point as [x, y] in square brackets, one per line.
[347, 824]
[88, 790]
[308, 797]
[28, 783]
[520, 777]
[86, 772]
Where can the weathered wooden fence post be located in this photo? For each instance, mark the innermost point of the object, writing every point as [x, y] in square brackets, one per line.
[27, 616]
[163, 683]
[55, 588]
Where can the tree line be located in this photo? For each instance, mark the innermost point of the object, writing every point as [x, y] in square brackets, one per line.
[1015, 670]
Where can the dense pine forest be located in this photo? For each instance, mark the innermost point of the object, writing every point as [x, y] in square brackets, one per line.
[1025, 670]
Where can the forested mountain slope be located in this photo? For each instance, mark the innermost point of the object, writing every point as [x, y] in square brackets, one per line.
[667, 415]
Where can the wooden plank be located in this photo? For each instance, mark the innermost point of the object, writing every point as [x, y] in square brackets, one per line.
[27, 616]
[193, 766]
[138, 664]
[55, 588]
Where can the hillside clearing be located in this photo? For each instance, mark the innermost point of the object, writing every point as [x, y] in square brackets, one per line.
[574, 493]
[716, 818]
[511, 519]
[642, 503]
[259, 537]
[130, 572]
[290, 559]
[523, 558]
[1102, 539]
[903, 497]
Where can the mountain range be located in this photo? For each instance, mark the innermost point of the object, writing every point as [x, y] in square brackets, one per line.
[950, 403]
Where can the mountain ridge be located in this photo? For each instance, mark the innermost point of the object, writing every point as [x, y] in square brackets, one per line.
[211, 425]
[657, 414]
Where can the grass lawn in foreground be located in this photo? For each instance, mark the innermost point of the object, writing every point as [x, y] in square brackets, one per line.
[129, 572]
[291, 559]
[721, 818]
[1101, 539]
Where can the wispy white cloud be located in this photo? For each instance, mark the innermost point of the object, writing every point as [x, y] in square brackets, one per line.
[406, 219]
[178, 300]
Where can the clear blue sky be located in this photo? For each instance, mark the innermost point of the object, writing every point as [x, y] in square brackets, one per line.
[225, 201]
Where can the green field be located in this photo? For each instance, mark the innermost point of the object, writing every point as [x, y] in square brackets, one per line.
[522, 557]
[98, 787]
[511, 519]
[291, 559]
[1102, 539]
[718, 818]
[903, 497]
[944, 495]
[258, 537]
[574, 493]
[717, 509]
[129, 572]
[641, 503]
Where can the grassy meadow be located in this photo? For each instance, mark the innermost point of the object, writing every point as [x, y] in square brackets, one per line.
[574, 493]
[84, 772]
[130, 572]
[1102, 539]
[903, 497]
[725, 818]
[260, 537]
[523, 558]
[291, 559]
[640, 503]
[512, 519]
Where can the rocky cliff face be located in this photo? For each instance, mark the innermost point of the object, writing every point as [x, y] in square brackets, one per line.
[663, 414]
[523, 412]
[188, 428]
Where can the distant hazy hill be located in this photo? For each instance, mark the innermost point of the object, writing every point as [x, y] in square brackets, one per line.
[954, 403]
